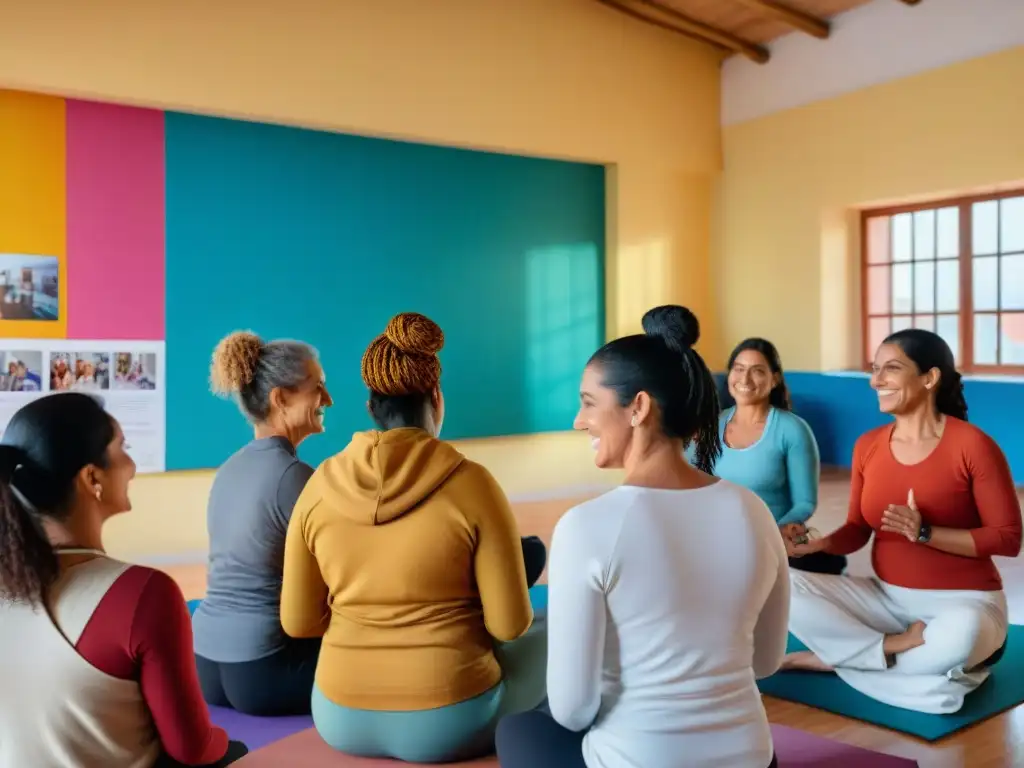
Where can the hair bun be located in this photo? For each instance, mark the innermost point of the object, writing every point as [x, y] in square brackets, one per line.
[234, 362]
[415, 334]
[677, 326]
[403, 360]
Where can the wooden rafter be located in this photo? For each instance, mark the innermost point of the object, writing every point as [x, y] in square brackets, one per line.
[632, 12]
[694, 28]
[805, 22]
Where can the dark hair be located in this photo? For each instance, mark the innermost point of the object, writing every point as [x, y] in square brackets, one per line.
[928, 350]
[43, 449]
[663, 363]
[779, 396]
[398, 411]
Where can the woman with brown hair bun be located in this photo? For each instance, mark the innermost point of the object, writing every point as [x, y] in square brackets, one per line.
[245, 659]
[405, 557]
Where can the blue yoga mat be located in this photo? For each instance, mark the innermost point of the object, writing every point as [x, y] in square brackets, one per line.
[538, 596]
[1003, 689]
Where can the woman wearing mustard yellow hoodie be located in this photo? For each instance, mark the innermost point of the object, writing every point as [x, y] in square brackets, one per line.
[405, 557]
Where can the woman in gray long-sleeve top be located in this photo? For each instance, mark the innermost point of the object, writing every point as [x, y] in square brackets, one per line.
[244, 658]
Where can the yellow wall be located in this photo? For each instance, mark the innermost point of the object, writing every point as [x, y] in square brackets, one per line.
[560, 78]
[786, 243]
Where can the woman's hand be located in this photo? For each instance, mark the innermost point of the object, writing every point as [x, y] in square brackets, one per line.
[798, 541]
[904, 519]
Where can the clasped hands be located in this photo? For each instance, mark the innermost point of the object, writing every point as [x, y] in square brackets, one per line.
[902, 519]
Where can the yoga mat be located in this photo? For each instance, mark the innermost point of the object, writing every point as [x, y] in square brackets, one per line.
[795, 749]
[1004, 689]
[257, 732]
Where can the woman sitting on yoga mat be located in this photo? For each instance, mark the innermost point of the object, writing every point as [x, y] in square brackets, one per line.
[405, 556]
[95, 655]
[937, 494]
[769, 449]
[669, 596]
[245, 659]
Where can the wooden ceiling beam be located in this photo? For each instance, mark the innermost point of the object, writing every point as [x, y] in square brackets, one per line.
[628, 10]
[805, 22]
[694, 28]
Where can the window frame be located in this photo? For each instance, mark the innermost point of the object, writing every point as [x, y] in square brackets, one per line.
[965, 312]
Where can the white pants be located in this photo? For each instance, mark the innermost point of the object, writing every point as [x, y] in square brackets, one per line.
[844, 621]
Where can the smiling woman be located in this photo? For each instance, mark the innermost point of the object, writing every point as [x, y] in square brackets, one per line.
[245, 660]
[937, 495]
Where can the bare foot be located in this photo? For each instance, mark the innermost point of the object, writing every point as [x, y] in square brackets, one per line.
[912, 637]
[806, 661]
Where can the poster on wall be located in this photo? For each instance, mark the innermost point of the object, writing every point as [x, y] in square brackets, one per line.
[128, 375]
[29, 287]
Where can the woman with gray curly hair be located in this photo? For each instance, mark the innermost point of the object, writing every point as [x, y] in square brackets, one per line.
[244, 658]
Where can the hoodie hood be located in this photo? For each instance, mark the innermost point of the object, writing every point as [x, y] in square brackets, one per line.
[382, 475]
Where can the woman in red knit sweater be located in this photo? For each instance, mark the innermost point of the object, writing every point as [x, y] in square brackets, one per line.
[938, 496]
[95, 654]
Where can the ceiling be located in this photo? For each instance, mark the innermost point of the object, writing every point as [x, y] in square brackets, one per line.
[741, 26]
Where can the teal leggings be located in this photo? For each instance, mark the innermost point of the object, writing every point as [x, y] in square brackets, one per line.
[447, 734]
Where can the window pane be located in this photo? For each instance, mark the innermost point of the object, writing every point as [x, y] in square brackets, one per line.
[948, 327]
[878, 329]
[878, 240]
[948, 225]
[1011, 282]
[901, 322]
[985, 227]
[986, 340]
[986, 283]
[1011, 225]
[927, 322]
[948, 277]
[878, 290]
[902, 245]
[924, 287]
[1011, 342]
[924, 235]
[902, 289]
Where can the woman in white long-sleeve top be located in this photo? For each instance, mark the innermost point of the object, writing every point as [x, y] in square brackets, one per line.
[669, 596]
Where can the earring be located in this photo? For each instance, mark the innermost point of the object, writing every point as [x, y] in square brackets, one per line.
[98, 489]
[632, 422]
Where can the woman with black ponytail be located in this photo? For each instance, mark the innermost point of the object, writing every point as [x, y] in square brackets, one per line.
[95, 654]
[668, 596]
[937, 495]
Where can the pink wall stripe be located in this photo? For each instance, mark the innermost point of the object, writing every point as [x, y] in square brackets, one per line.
[115, 221]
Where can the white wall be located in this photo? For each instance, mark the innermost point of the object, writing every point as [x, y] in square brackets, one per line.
[884, 40]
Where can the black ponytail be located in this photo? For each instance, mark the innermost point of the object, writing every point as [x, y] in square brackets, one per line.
[45, 446]
[27, 560]
[663, 363]
[930, 351]
[949, 399]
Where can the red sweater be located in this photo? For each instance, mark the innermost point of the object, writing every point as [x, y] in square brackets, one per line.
[964, 483]
[141, 631]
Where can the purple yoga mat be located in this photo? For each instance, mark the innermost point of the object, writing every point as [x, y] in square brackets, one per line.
[795, 749]
[257, 732]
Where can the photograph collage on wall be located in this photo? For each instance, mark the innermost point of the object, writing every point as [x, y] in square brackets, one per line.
[127, 375]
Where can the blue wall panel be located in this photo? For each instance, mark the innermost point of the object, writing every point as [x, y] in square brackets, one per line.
[322, 237]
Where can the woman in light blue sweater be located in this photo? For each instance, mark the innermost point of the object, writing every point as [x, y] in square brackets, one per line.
[768, 448]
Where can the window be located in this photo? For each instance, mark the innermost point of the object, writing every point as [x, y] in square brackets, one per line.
[955, 267]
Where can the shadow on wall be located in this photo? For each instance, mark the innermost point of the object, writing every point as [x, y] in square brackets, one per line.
[840, 407]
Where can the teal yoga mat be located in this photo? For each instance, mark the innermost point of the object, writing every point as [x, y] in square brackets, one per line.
[1004, 689]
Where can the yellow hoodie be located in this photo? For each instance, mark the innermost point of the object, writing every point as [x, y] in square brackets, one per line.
[406, 558]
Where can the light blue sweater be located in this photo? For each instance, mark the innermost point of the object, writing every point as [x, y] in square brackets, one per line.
[782, 467]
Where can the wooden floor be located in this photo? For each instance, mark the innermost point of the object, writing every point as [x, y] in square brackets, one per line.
[995, 743]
